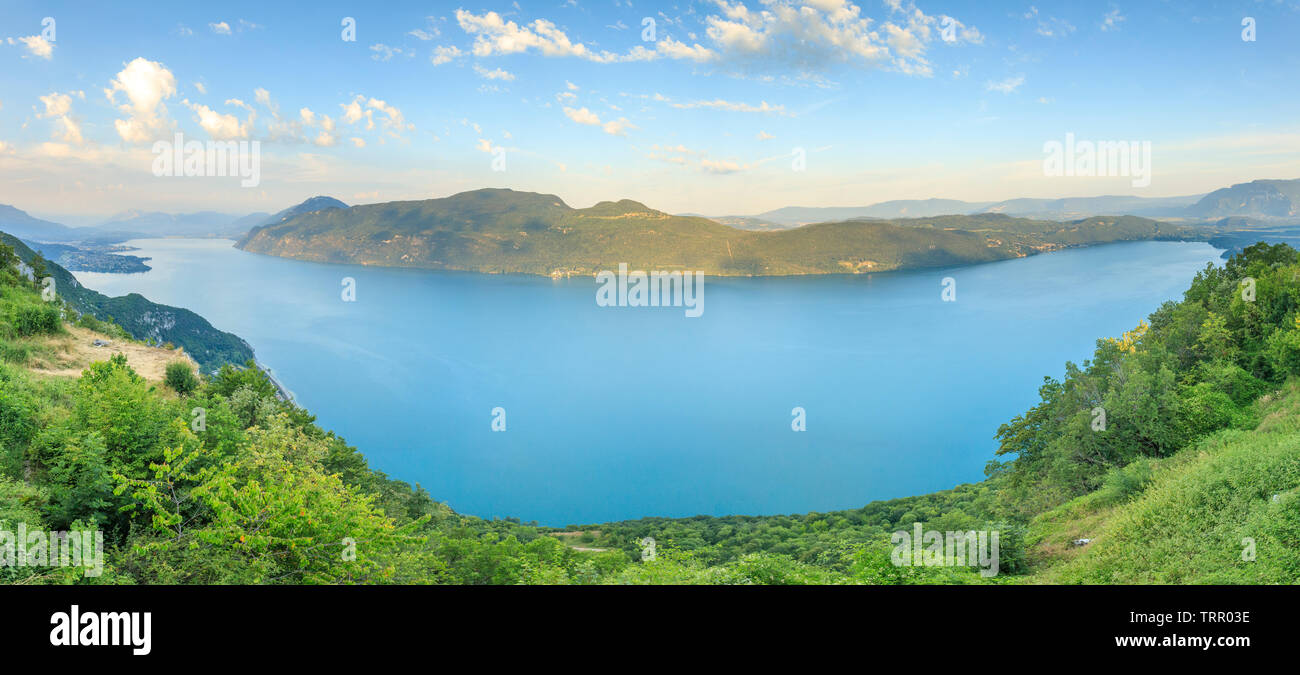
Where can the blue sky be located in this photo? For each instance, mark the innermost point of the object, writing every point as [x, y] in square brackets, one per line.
[705, 118]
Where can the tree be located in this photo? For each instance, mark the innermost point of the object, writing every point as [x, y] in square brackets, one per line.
[181, 378]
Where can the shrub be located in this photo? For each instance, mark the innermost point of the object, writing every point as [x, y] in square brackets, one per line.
[1283, 352]
[36, 320]
[181, 378]
[1123, 483]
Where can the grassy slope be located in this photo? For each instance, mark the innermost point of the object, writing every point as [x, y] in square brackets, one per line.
[1188, 524]
[518, 232]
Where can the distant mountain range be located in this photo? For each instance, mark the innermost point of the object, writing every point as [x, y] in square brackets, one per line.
[504, 231]
[136, 224]
[200, 224]
[1263, 199]
[22, 225]
[207, 223]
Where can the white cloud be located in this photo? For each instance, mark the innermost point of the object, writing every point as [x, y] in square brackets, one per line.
[358, 142]
[1005, 86]
[36, 46]
[799, 35]
[145, 84]
[220, 28]
[1049, 26]
[696, 159]
[394, 120]
[764, 136]
[582, 116]
[56, 105]
[1112, 19]
[494, 35]
[220, 126]
[443, 55]
[383, 52]
[352, 112]
[720, 166]
[497, 74]
[813, 34]
[618, 127]
[719, 104]
[200, 87]
[59, 108]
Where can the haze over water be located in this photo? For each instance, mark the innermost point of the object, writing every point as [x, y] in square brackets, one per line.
[617, 412]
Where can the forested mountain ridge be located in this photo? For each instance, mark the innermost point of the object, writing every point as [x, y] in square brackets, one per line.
[503, 231]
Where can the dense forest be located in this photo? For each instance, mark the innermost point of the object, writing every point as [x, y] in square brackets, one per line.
[201, 479]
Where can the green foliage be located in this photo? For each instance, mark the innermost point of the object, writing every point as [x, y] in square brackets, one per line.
[181, 378]
[31, 319]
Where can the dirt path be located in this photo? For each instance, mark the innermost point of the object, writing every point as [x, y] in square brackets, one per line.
[76, 350]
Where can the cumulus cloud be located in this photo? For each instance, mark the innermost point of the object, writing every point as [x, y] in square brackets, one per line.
[220, 126]
[394, 121]
[582, 116]
[352, 111]
[443, 55]
[497, 74]
[220, 28]
[618, 127]
[36, 46]
[494, 35]
[145, 85]
[59, 108]
[802, 35]
[56, 105]
[813, 34]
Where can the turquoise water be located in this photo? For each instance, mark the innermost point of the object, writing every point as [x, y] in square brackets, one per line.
[622, 412]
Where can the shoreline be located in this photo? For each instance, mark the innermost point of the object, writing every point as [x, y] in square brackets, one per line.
[280, 390]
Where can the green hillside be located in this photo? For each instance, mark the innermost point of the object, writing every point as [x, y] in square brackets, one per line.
[142, 319]
[503, 231]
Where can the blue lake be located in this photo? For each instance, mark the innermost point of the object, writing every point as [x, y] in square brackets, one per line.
[617, 412]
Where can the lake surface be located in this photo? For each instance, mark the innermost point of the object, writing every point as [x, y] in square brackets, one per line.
[622, 412]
